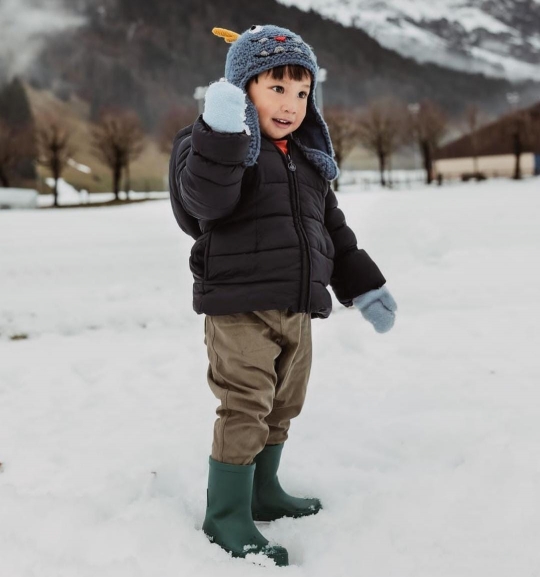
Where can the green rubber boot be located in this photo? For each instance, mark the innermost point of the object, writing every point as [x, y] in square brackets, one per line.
[228, 520]
[269, 501]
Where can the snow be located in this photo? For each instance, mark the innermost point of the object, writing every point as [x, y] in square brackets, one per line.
[18, 198]
[78, 166]
[421, 442]
[69, 195]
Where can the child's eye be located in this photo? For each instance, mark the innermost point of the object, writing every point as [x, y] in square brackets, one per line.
[303, 94]
[278, 89]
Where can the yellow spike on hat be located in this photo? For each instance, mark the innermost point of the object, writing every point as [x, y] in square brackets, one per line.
[228, 35]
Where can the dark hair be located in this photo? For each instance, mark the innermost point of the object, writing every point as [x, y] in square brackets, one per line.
[290, 71]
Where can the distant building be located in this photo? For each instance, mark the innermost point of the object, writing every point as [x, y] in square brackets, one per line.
[495, 146]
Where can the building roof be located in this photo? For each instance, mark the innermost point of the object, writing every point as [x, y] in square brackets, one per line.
[498, 137]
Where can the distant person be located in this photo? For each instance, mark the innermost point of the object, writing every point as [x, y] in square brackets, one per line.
[250, 180]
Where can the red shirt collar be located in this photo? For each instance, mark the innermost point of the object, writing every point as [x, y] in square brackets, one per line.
[282, 145]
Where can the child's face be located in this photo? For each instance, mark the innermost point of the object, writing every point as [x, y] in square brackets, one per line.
[279, 100]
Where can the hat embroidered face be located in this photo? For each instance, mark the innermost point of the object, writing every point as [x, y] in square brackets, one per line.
[275, 43]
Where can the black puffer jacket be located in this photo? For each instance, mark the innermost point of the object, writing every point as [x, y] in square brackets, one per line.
[270, 236]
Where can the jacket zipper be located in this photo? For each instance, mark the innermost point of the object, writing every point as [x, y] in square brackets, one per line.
[305, 289]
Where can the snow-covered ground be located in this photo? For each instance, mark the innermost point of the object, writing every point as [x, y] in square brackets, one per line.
[422, 443]
[68, 195]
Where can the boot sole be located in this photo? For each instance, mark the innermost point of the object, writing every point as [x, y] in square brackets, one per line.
[266, 518]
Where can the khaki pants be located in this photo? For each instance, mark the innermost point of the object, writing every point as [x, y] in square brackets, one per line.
[259, 369]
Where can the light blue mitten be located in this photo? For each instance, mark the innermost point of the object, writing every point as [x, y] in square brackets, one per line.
[225, 107]
[378, 307]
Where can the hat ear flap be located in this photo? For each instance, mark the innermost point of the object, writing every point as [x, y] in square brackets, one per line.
[252, 120]
[314, 140]
[228, 35]
[313, 132]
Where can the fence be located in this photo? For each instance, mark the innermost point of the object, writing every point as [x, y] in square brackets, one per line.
[409, 179]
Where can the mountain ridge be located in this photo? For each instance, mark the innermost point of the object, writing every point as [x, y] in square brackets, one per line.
[500, 38]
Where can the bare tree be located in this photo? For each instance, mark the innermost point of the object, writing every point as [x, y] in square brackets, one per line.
[518, 134]
[175, 119]
[381, 129]
[472, 120]
[427, 126]
[117, 140]
[520, 128]
[16, 144]
[343, 126]
[54, 148]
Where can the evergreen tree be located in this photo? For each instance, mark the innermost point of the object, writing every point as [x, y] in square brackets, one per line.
[16, 114]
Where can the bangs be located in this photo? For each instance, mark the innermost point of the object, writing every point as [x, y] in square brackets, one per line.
[290, 71]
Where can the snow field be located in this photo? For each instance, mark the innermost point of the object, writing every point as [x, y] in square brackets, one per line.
[421, 442]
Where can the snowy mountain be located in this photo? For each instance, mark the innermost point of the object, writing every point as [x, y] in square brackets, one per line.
[497, 37]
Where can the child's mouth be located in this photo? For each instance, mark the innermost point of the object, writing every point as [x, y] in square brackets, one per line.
[281, 123]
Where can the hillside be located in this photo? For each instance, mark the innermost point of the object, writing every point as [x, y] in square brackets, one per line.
[147, 173]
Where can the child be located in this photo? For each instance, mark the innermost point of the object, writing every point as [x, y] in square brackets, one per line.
[250, 181]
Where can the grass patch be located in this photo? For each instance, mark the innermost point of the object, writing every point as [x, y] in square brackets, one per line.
[18, 337]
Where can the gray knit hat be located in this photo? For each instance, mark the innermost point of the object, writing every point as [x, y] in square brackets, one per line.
[264, 47]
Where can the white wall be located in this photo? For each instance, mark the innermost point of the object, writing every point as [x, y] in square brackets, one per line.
[503, 165]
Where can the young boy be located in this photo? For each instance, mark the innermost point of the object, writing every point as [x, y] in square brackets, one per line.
[250, 180]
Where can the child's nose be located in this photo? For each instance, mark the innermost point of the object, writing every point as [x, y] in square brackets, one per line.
[288, 106]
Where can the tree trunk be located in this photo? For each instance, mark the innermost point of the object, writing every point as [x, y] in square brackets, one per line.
[117, 172]
[517, 154]
[338, 162]
[474, 153]
[4, 180]
[55, 192]
[428, 163]
[127, 181]
[56, 176]
[382, 166]
[517, 168]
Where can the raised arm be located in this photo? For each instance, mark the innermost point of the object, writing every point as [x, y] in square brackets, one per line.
[208, 165]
